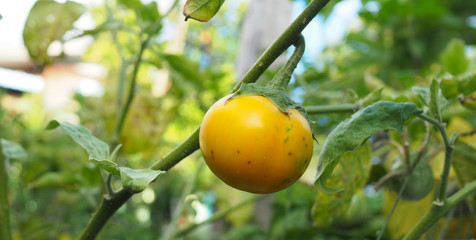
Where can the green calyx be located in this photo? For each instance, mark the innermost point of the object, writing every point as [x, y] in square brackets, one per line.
[277, 96]
[275, 89]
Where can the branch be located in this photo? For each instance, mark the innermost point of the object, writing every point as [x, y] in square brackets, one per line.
[282, 78]
[106, 209]
[287, 38]
[441, 205]
[436, 212]
[109, 206]
[448, 156]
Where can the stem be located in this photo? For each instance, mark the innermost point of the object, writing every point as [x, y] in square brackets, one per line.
[106, 209]
[218, 215]
[406, 152]
[382, 231]
[122, 74]
[190, 145]
[423, 146]
[449, 217]
[285, 40]
[448, 156]
[442, 204]
[282, 78]
[5, 232]
[110, 190]
[132, 87]
[389, 177]
[437, 211]
[109, 206]
[339, 108]
[120, 92]
[130, 96]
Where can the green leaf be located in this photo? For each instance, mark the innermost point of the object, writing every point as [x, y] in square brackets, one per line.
[371, 97]
[180, 65]
[56, 180]
[110, 24]
[201, 10]
[464, 163]
[47, 22]
[136, 180]
[423, 95]
[432, 98]
[98, 150]
[108, 166]
[453, 57]
[351, 133]
[131, 4]
[437, 101]
[12, 150]
[350, 174]
[148, 13]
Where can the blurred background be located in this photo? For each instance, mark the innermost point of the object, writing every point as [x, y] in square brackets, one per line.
[64, 61]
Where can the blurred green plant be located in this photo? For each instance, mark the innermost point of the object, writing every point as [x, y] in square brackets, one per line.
[393, 53]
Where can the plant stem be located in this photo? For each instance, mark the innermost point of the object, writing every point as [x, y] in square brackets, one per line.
[109, 206]
[106, 209]
[448, 156]
[449, 217]
[400, 193]
[218, 215]
[190, 145]
[389, 177]
[339, 108]
[5, 232]
[285, 40]
[436, 212]
[441, 205]
[132, 87]
[282, 78]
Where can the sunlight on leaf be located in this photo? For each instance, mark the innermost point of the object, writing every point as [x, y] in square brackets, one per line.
[47, 22]
[453, 57]
[98, 150]
[201, 10]
[136, 180]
